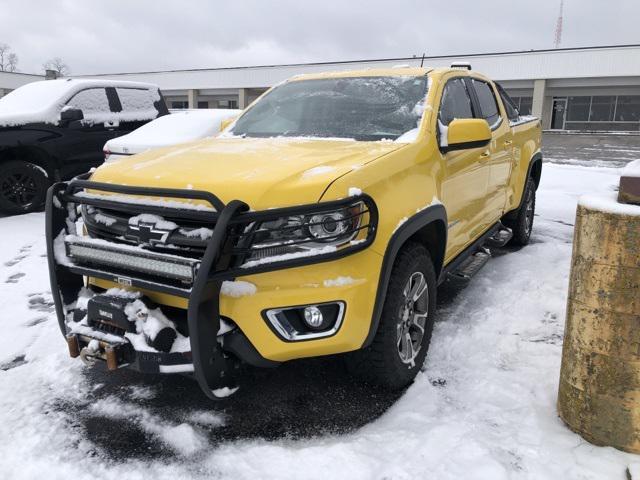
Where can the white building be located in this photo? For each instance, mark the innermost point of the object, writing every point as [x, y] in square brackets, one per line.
[590, 89]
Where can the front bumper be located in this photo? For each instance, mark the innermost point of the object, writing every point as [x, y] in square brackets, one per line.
[210, 364]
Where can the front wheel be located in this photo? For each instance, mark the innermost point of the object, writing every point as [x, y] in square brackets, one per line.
[23, 187]
[400, 346]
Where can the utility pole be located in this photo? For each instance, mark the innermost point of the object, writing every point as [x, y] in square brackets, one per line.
[559, 25]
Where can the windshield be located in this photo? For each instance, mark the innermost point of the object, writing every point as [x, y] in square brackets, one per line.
[360, 108]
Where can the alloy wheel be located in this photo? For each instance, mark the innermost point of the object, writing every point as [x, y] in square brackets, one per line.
[412, 318]
[19, 188]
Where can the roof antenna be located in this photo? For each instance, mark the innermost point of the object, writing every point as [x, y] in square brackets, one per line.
[422, 61]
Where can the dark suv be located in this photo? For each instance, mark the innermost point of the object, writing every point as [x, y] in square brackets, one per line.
[54, 130]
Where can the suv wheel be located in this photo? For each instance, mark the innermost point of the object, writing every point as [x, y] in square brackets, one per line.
[23, 187]
[400, 346]
[522, 224]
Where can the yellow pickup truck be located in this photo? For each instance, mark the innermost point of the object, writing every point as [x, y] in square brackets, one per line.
[319, 222]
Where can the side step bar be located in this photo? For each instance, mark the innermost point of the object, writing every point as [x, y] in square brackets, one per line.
[476, 256]
[472, 264]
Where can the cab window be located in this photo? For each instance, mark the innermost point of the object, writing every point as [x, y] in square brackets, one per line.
[488, 105]
[509, 104]
[455, 103]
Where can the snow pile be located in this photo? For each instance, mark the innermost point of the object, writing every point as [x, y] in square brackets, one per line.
[156, 220]
[632, 169]
[408, 137]
[237, 289]
[338, 282]
[608, 203]
[522, 119]
[290, 256]
[182, 438]
[104, 219]
[319, 170]
[137, 200]
[203, 233]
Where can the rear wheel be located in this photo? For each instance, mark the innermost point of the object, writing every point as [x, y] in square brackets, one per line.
[400, 346]
[23, 187]
[522, 224]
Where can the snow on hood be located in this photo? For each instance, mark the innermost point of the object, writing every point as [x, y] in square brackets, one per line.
[264, 172]
[41, 102]
[179, 127]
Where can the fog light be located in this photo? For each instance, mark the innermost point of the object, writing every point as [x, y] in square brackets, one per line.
[313, 317]
[294, 324]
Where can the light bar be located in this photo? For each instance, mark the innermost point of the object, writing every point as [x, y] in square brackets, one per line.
[132, 258]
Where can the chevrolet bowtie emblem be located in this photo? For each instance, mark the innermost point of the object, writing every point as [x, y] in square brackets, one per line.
[147, 233]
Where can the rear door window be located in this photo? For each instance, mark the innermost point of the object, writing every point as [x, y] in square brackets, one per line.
[509, 104]
[139, 102]
[487, 100]
[455, 102]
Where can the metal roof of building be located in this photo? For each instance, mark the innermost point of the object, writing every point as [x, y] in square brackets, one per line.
[606, 61]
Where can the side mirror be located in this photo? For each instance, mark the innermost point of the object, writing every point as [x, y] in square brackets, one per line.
[226, 122]
[71, 114]
[467, 133]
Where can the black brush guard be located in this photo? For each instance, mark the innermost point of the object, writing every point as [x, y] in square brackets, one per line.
[218, 263]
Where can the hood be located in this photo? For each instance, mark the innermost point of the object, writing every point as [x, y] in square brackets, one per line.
[263, 172]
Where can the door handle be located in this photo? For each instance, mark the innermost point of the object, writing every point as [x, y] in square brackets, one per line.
[508, 142]
[484, 156]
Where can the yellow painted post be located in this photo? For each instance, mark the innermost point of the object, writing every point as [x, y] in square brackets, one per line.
[599, 393]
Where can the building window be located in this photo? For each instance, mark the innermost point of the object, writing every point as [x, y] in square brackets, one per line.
[227, 104]
[578, 109]
[203, 104]
[628, 108]
[179, 104]
[602, 108]
[603, 112]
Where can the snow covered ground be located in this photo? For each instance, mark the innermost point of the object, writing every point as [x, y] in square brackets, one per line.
[483, 407]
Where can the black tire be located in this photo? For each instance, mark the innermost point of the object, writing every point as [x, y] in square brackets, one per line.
[382, 363]
[522, 223]
[23, 187]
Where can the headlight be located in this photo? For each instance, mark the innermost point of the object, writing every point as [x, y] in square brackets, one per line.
[305, 234]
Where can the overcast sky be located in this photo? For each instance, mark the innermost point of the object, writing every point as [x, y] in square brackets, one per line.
[140, 35]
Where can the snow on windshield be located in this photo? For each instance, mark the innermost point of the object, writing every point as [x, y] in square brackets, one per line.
[362, 108]
[34, 102]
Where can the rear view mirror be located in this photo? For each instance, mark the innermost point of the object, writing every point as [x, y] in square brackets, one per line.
[467, 133]
[71, 114]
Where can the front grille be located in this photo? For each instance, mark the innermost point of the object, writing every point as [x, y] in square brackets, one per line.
[188, 238]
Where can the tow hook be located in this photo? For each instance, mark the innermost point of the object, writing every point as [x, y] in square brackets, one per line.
[96, 350]
[88, 353]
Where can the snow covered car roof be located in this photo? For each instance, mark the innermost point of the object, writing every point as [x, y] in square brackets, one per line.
[178, 127]
[41, 102]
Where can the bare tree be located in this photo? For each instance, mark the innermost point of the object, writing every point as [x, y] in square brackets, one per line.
[8, 59]
[57, 65]
[12, 62]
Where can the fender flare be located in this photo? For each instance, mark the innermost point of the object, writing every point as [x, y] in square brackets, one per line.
[536, 159]
[428, 216]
